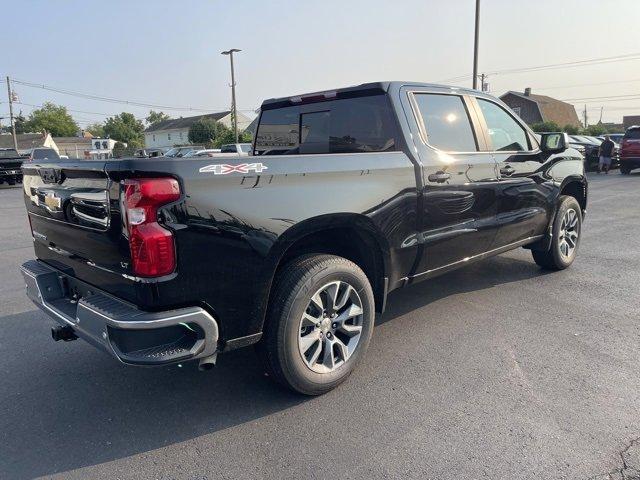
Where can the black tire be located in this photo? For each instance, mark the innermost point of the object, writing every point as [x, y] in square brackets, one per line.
[11, 181]
[293, 288]
[554, 258]
[625, 170]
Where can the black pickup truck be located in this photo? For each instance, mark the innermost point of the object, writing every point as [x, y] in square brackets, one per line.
[10, 166]
[347, 195]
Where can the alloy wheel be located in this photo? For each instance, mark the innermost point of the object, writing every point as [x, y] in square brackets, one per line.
[330, 327]
[569, 233]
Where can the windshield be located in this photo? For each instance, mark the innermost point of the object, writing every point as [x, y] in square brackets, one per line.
[246, 147]
[228, 149]
[171, 152]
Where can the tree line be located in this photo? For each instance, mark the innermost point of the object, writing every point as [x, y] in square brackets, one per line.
[125, 128]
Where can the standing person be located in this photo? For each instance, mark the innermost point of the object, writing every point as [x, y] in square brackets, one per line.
[605, 152]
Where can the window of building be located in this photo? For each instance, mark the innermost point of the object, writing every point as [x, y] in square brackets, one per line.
[516, 110]
[505, 133]
[154, 137]
[446, 122]
[180, 135]
[168, 136]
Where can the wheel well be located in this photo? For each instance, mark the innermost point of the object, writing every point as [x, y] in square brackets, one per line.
[578, 191]
[350, 243]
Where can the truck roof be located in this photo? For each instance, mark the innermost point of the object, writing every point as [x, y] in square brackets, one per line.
[354, 91]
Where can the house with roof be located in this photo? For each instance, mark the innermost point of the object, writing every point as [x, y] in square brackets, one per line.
[28, 141]
[85, 147]
[175, 131]
[541, 108]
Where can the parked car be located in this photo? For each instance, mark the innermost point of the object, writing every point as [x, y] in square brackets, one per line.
[239, 148]
[630, 150]
[177, 152]
[615, 137]
[350, 194]
[43, 153]
[149, 152]
[209, 152]
[10, 166]
[590, 148]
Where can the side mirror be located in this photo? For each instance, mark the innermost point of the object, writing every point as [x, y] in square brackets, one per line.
[553, 142]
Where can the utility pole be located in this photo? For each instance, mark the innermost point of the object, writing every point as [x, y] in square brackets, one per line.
[13, 125]
[475, 47]
[585, 116]
[234, 109]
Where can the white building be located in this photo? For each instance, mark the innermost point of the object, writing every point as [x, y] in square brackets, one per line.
[175, 131]
[85, 147]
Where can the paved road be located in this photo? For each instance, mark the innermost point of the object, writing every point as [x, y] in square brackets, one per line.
[495, 371]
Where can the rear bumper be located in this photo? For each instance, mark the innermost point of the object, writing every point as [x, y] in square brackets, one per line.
[134, 337]
[632, 162]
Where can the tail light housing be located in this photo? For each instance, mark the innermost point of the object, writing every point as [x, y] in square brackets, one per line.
[153, 251]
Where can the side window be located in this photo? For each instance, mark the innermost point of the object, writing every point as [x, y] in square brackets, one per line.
[278, 131]
[446, 122]
[505, 133]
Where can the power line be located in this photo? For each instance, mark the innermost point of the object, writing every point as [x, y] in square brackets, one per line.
[100, 98]
[588, 84]
[611, 98]
[552, 66]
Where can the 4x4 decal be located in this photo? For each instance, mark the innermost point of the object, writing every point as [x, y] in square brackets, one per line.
[224, 169]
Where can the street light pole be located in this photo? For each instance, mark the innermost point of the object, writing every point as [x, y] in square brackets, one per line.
[234, 110]
[475, 47]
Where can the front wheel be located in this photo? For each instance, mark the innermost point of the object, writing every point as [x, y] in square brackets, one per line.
[319, 323]
[566, 230]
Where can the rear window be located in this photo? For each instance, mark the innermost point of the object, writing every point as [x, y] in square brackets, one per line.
[8, 154]
[633, 133]
[45, 154]
[350, 125]
[228, 149]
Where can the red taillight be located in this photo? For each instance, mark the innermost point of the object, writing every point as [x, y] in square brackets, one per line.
[153, 252]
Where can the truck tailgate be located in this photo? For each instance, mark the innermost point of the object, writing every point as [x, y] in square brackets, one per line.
[74, 211]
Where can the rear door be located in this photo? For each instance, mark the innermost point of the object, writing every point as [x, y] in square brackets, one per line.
[525, 196]
[75, 217]
[458, 201]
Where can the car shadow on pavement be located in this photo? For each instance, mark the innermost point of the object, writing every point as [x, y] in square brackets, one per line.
[479, 276]
[66, 406]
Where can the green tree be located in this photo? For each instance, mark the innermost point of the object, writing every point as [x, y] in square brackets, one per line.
[119, 150]
[545, 127]
[96, 129]
[54, 119]
[226, 135]
[125, 128]
[595, 130]
[20, 123]
[156, 117]
[571, 129]
[205, 131]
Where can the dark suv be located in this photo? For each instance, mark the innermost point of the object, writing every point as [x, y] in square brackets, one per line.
[630, 150]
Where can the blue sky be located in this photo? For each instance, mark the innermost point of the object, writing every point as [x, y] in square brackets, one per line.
[168, 52]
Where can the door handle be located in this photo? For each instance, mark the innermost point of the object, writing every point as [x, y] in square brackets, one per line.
[439, 177]
[507, 170]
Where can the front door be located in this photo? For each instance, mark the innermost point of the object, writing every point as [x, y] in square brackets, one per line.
[525, 195]
[458, 201]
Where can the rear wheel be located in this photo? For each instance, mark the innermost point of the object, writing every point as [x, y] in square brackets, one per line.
[319, 323]
[566, 231]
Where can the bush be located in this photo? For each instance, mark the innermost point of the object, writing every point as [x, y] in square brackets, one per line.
[545, 127]
[571, 129]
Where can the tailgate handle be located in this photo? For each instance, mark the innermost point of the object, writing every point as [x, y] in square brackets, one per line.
[92, 207]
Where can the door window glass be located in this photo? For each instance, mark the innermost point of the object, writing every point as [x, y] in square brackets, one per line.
[505, 133]
[446, 122]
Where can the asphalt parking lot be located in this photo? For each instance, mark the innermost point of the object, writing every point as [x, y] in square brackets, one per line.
[498, 370]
